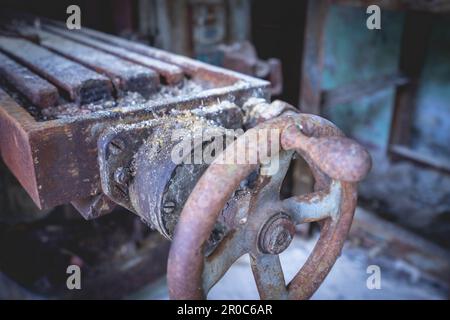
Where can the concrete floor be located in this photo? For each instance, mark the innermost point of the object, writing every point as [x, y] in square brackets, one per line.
[399, 278]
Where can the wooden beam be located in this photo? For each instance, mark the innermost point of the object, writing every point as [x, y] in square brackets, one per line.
[416, 32]
[312, 64]
[359, 89]
[402, 152]
[311, 78]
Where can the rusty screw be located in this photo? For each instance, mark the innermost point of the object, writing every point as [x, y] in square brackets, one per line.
[116, 146]
[121, 176]
[169, 206]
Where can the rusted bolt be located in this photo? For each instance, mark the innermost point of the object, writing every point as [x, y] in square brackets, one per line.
[169, 207]
[116, 146]
[121, 176]
[276, 234]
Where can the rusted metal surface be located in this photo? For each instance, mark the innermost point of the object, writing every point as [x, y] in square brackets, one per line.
[119, 148]
[276, 235]
[339, 158]
[116, 149]
[154, 168]
[94, 206]
[58, 157]
[258, 110]
[195, 69]
[39, 91]
[242, 57]
[64, 156]
[171, 73]
[137, 169]
[81, 84]
[125, 75]
[15, 123]
[186, 277]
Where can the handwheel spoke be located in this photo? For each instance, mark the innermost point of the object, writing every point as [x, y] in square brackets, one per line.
[278, 169]
[231, 248]
[314, 206]
[268, 276]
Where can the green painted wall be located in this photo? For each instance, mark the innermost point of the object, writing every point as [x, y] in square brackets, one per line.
[353, 52]
[432, 116]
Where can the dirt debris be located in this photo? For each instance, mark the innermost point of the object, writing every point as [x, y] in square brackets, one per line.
[130, 99]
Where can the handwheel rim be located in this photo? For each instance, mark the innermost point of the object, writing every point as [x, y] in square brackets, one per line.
[186, 259]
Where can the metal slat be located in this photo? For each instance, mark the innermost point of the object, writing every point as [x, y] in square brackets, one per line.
[81, 84]
[171, 73]
[39, 91]
[126, 76]
[193, 68]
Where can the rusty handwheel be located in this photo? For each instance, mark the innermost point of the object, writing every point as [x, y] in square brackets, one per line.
[264, 226]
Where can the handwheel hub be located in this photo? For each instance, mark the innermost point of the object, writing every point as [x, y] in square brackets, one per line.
[276, 234]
